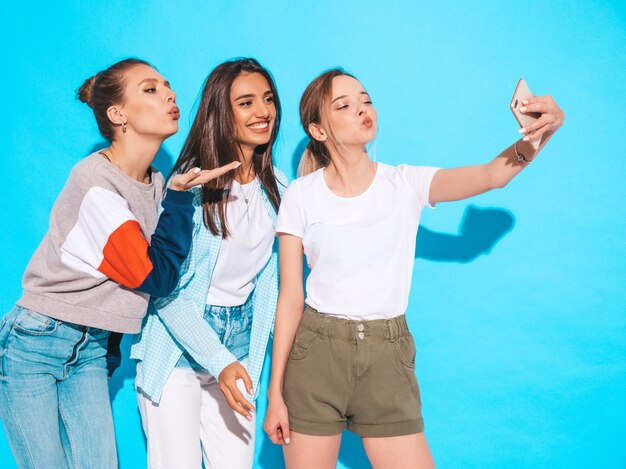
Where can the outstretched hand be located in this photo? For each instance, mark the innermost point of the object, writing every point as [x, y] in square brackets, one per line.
[551, 119]
[196, 176]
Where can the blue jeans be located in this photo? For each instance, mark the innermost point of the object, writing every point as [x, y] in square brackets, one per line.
[232, 324]
[54, 397]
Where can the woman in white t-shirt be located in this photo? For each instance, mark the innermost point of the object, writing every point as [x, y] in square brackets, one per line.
[348, 360]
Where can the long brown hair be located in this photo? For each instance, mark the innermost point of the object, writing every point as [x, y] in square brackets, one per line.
[314, 108]
[105, 89]
[212, 141]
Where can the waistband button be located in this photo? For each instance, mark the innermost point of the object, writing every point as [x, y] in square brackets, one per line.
[360, 327]
[360, 335]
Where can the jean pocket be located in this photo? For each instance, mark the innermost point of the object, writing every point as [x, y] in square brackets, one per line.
[237, 341]
[33, 323]
[216, 320]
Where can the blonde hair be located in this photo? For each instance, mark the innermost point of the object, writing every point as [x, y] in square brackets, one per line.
[314, 109]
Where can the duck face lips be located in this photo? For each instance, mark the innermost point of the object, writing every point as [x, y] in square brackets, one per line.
[175, 113]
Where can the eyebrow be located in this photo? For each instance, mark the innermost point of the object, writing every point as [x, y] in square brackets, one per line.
[166, 83]
[252, 95]
[345, 96]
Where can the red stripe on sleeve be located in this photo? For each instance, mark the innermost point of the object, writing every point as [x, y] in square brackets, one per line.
[126, 255]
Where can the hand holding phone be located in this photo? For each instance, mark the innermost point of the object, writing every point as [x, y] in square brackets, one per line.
[522, 92]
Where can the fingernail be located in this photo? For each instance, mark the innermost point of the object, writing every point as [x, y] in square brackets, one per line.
[196, 170]
[249, 418]
[525, 101]
[238, 164]
[287, 440]
[522, 130]
[526, 139]
[523, 108]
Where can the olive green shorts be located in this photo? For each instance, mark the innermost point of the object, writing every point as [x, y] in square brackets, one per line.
[358, 375]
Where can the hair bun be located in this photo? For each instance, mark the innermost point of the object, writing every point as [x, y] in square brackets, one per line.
[85, 92]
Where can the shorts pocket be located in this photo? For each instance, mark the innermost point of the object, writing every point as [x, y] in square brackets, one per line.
[32, 323]
[302, 344]
[405, 348]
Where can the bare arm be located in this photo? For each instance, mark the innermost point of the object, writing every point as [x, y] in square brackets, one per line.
[289, 307]
[288, 316]
[467, 181]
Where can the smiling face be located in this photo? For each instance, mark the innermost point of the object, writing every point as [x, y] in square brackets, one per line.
[351, 119]
[254, 110]
[149, 107]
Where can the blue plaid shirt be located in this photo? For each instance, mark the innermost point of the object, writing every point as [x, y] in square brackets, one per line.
[176, 323]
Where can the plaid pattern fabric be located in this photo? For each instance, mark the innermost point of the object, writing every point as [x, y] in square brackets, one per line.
[176, 323]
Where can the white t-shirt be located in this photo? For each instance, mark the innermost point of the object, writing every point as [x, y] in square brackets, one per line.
[248, 248]
[360, 249]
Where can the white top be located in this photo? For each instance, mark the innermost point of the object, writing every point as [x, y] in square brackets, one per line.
[360, 249]
[248, 248]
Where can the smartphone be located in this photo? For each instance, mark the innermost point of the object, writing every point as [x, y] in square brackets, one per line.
[525, 119]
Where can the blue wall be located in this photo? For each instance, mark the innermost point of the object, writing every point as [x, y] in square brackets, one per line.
[518, 301]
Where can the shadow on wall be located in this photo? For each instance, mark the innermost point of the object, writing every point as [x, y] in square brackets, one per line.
[126, 371]
[163, 162]
[481, 229]
[297, 154]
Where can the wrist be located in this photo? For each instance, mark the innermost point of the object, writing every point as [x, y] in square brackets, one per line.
[178, 197]
[274, 393]
[524, 152]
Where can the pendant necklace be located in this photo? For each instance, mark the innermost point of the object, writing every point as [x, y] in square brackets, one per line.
[247, 198]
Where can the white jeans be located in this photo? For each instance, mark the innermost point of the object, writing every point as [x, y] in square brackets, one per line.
[192, 423]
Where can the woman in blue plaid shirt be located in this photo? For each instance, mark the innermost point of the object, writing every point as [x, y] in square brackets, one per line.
[201, 349]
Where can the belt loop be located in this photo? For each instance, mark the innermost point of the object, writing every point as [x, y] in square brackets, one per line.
[325, 326]
[403, 325]
[392, 327]
[320, 322]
